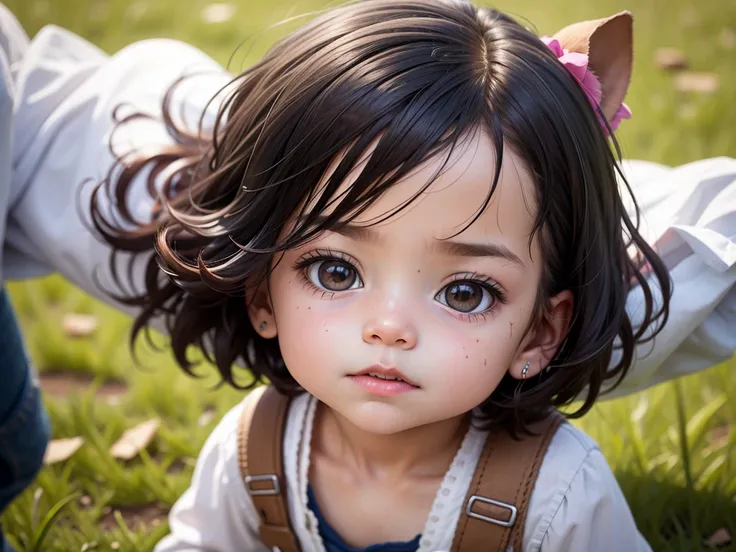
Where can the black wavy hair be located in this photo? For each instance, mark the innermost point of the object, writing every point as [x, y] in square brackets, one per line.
[413, 77]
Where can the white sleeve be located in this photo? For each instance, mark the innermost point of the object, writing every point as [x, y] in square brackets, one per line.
[215, 514]
[577, 505]
[689, 216]
[593, 515]
[68, 92]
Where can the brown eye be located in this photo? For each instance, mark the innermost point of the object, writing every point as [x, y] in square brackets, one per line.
[333, 275]
[466, 297]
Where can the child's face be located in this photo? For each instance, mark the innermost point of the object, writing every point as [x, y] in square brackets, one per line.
[449, 317]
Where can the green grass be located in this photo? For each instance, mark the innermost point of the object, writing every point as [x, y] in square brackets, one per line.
[672, 447]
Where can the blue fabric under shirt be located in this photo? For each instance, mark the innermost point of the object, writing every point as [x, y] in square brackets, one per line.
[334, 543]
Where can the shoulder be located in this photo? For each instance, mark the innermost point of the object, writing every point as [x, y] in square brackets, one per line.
[576, 502]
[220, 452]
[225, 435]
[570, 452]
[223, 443]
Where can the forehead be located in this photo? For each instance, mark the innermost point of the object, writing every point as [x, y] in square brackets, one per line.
[447, 203]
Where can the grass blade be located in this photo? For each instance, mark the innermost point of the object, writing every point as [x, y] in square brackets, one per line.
[50, 516]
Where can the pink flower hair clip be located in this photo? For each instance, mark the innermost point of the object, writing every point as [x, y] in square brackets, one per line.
[577, 64]
[580, 48]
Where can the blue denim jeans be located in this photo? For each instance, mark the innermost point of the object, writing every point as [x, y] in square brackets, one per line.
[24, 424]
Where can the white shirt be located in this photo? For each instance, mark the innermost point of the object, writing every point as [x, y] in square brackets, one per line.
[576, 504]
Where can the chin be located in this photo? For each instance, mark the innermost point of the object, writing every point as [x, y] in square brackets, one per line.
[379, 418]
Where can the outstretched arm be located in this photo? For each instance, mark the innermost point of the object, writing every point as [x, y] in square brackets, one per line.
[67, 93]
[688, 214]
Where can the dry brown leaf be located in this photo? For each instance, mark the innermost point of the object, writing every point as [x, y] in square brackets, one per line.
[670, 59]
[217, 13]
[79, 325]
[704, 83]
[134, 440]
[720, 538]
[59, 450]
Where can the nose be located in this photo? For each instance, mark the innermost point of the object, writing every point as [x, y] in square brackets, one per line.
[391, 333]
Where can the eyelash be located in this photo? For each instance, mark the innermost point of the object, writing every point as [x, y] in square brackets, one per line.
[489, 285]
[322, 255]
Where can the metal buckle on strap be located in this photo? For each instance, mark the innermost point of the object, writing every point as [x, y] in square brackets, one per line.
[502, 522]
[276, 489]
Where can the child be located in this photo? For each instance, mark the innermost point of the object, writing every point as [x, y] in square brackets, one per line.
[389, 195]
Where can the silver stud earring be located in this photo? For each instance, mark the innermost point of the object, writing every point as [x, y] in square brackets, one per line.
[525, 370]
[262, 325]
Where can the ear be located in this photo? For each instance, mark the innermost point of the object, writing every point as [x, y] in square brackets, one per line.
[260, 312]
[609, 45]
[546, 338]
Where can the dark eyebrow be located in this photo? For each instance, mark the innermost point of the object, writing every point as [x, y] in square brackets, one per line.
[357, 233]
[352, 231]
[460, 249]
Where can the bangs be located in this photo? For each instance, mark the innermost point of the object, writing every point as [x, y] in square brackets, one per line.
[371, 107]
[348, 190]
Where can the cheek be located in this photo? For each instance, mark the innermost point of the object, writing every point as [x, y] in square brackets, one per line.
[309, 327]
[472, 360]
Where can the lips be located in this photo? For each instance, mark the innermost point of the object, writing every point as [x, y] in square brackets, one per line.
[389, 373]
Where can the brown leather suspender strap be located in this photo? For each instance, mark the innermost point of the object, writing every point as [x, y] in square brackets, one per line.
[260, 454]
[496, 504]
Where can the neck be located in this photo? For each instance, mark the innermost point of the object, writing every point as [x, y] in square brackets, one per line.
[424, 451]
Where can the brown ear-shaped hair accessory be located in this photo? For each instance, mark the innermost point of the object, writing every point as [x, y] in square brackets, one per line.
[608, 43]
